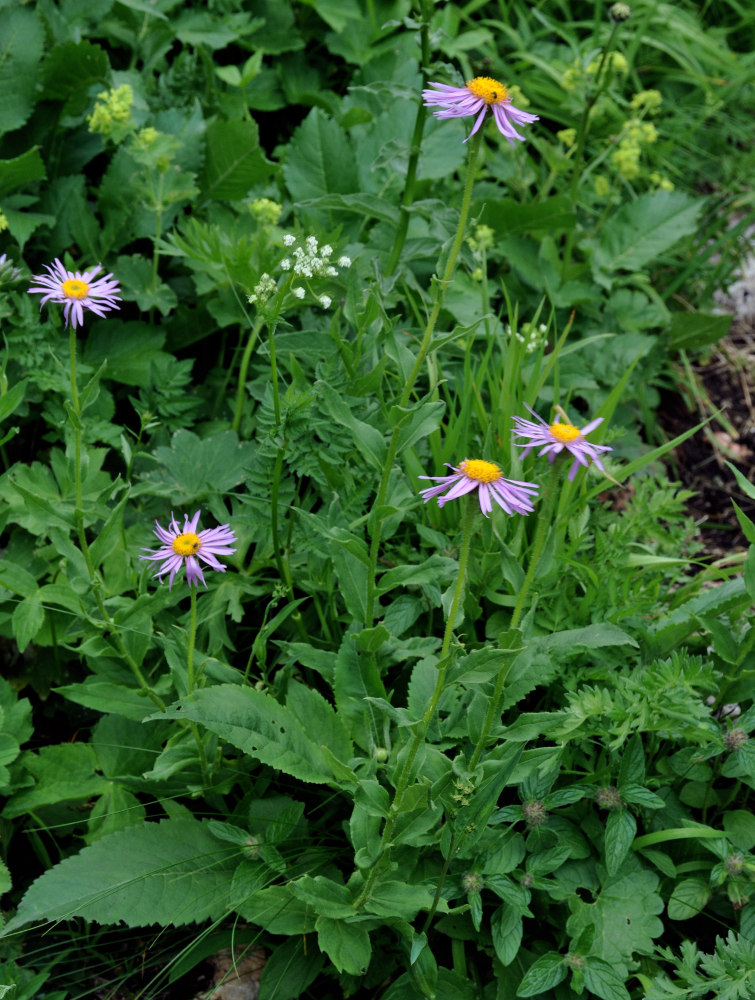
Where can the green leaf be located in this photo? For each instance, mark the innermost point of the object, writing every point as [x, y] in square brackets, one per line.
[128, 348]
[546, 973]
[319, 720]
[506, 930]
[621, 829]
[28, 618]
[234, 162]
[19, 171]
[12, 399]
[62, 773]
[367, 438]
[398, 899]
[508, 216]
[622, 915]
[257, 724]
[603, 980]
[172, 872]
[346, 945]
[324, 896]
[289, 970]
[193, 468]
[17, 579]
[643, 229]
[319, 160]
[689, 330]
[109, 535]
[21, 46]
[689, 897]
[69, 73]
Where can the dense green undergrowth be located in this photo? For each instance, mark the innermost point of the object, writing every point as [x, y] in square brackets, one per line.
[407, 749]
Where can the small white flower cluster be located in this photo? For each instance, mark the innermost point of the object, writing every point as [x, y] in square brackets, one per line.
[262, 290]
[309, 260]
[531, 336]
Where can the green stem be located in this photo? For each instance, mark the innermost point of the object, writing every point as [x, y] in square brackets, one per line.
[192, 638]
[418, 737]
[411, 170]
[600, 85]
[541, 532]
[376, 518]
[75, 420]
[243, 368]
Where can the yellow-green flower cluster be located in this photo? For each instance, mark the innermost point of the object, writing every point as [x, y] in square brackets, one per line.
[266, 212]
[647, 100]
[483, 238]
[112, 113]
[626, 157]
[602, 186]
[614, 61]
[568, 136]
[3, 221]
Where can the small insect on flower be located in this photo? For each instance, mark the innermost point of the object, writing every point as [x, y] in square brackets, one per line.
[476, 98]
[557, 437]
[475, 474]
[186, 547]
[76, 291]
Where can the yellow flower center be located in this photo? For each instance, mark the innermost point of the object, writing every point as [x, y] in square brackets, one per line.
[564, 432]
[187, 545]
[490, 90]
[481, 471]
[75, 289]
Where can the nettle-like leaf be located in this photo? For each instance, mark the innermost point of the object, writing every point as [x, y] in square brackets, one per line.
[21, 44]
[257, 724]
[643, 229]
[172, 872]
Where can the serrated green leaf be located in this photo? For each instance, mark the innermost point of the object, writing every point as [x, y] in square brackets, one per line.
[234, 162]
[62, 773]
[12, 398]
[603, 980]
[621, 829]
[69, 72]
[689, 330]
[346, 945]
[172, 872]
[319, 720]
[257, 724]
[688, 898]
[623, 915]
[128, 348]
[28, 618]
[319, 160]
[543, 975]
[506, 930]
[193, 468]
[21, 46]
[644, 228]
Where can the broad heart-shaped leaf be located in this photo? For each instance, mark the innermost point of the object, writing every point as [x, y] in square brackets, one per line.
[643, 229]
[258, 725]
[193, 468]
[234, 161]
[622, 915]
[320, 159]
[172, 872]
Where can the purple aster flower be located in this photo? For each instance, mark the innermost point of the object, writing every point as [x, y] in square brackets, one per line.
[485, 477]
[186, 547]
[558, 436]
[76, 291]
[474, 99]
